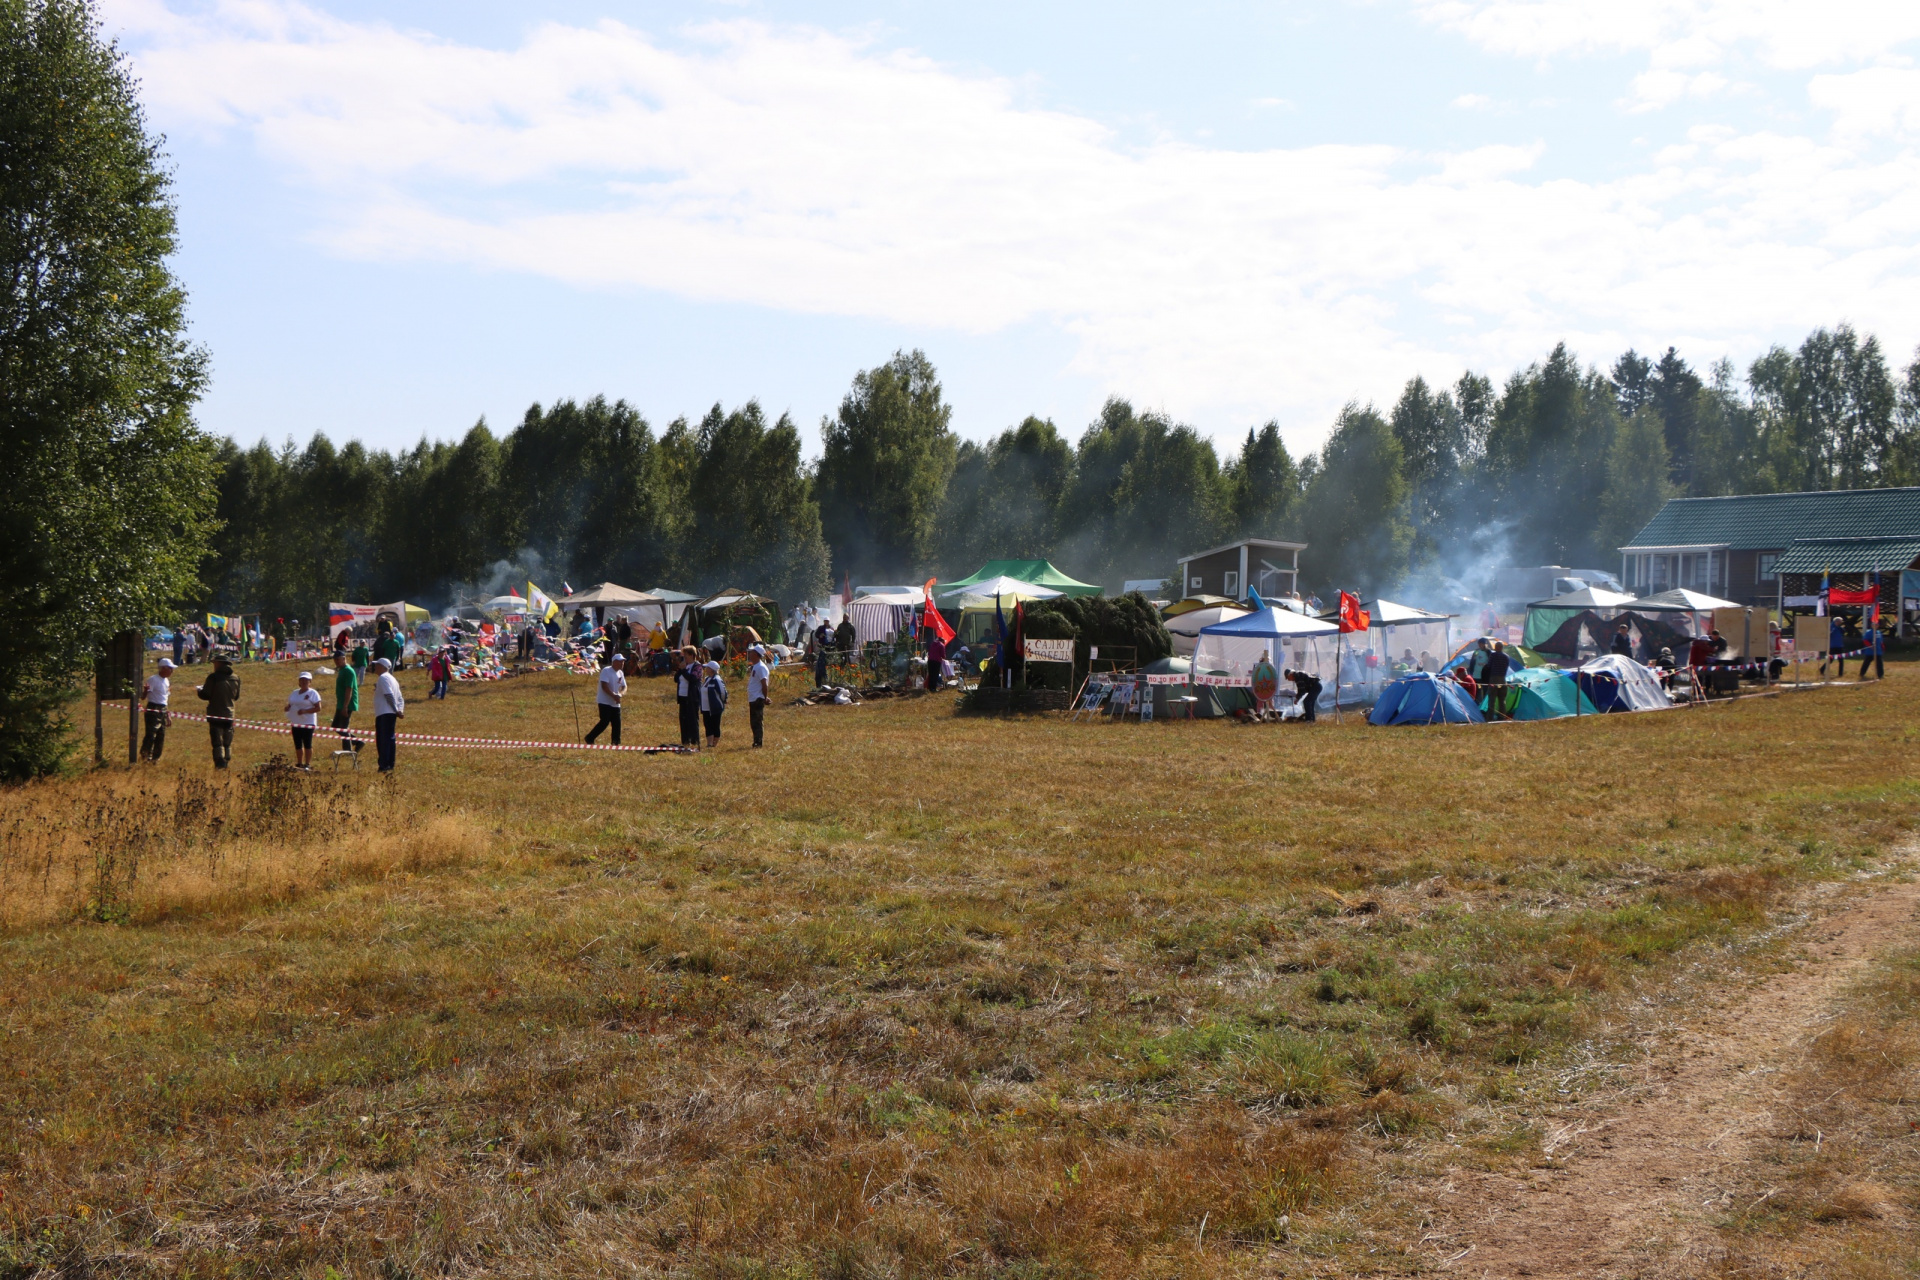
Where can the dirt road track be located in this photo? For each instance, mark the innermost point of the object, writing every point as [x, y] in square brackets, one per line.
[1645, 1173]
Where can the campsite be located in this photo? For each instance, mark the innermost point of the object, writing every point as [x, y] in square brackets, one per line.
[916, 993]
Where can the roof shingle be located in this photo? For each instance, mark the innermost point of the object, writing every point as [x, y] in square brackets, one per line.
[1766, 521]
[1847, 555]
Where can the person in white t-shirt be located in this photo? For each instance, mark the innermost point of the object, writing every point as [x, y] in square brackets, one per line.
[758, 680]
[303, 713]
[389, 708]
[613, 688]
[158, 688]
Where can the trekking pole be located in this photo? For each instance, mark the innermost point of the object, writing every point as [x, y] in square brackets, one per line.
[571, 697]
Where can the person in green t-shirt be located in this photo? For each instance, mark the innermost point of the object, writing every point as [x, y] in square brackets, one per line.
[361, 659]
[346, 701]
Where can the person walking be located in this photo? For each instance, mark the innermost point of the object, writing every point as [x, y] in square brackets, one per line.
[159, 688]
[1873, 650]
[303, 713]
[389, 708]
[179, 645]
[1836, 643]
[713, 700]
[362, 659]
[440, 670]
[220, 693]
[758, 679]
[390, 646]
[686, 687]
[613, 691]
[346, 701]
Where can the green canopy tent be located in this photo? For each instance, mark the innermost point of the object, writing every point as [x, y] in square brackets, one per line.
[1040, 573]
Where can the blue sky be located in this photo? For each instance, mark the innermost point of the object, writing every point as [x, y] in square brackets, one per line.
[397, 218]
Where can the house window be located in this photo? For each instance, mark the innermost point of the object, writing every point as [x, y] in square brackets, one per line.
[1764, 570]
[1230, 587]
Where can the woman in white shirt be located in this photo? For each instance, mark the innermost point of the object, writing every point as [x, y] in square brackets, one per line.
[303, 713]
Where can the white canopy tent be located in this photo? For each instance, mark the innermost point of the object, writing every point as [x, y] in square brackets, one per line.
[1226, 652]
[975, 595]
[1185, 628]
[1398, 633]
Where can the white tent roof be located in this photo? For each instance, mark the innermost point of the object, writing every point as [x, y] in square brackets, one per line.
[1587, 598]
[1271, 621]
[1681, 600]
[1386, 613]
[1639, 687]
[1185, 627]
[1007, 589]
[890, 595]
[606, 593]
[506, 602]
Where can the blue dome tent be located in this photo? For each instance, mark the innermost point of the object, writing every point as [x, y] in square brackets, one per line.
[1423, 698]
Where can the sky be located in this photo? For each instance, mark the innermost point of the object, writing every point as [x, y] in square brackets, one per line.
[397, 218]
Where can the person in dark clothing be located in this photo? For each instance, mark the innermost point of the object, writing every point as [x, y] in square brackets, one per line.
[820, 663]
[1306, 691]
[843, 638]
[1875, 646]
[687, 675]
[1622, 642]
[1493, 681]
[1836, 643]
[220, 692]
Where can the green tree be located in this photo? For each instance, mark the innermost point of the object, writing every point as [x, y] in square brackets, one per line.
[1356, 506]
[1673, 390]
[1637, 476]
[1263, 486]
[1546, 455]
[111, 490]
[1004, 497]
[1433, 441]
[756, 523]
[1145, 491]
[884, 467]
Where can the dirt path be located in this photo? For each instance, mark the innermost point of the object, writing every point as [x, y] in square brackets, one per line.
[1645, 1173]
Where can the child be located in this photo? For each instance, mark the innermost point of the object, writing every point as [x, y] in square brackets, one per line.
[303, 713]
[713, 701]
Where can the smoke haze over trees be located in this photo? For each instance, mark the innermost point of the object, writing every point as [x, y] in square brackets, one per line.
[1557, 465]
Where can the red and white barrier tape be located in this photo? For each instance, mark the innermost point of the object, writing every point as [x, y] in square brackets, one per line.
[425, 739]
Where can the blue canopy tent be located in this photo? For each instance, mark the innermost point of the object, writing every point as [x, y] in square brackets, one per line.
[1424, 698]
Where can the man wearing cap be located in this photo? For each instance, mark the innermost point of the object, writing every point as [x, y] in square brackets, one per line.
[389, 708]
[613, 688]
[220, 692]
[758, 678]
[303, 713]
[158, 687]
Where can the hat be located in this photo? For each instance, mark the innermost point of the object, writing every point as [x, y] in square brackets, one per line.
[754, 648]
[166, 664]
[382, 662]
[306, 675]
[619, 657]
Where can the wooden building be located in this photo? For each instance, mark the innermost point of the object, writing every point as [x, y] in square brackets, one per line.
[1260, 564]
[1735, 547]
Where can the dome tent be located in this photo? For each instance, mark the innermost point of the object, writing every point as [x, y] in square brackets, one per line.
[1423, 698]
[1614, 683]
[1547, 694]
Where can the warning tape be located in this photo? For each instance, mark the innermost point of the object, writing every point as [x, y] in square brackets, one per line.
[422, 739]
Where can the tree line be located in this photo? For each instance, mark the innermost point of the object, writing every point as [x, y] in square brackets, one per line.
[1559, 465]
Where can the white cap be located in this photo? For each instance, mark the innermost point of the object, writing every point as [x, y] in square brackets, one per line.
[382, 662]
[306, 675]
[166, 664]
[619, 657]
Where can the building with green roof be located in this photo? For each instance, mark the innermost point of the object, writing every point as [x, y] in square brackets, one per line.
[1762, 548]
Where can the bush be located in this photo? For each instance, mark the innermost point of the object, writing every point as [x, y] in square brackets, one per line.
[1106, 622]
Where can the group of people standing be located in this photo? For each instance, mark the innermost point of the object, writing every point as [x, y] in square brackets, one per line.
[699, 689]
[221, 693]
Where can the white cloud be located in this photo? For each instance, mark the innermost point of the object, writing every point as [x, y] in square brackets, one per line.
[1874, 102]
[1786, 34]
[1473, 102]
[810, 172]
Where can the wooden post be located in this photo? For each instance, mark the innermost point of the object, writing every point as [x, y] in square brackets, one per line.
[136, 675]
[99, 732]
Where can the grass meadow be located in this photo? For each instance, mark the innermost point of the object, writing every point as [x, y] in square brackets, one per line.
[903, 994]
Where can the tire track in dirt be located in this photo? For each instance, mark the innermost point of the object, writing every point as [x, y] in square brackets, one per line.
[1640, 1180]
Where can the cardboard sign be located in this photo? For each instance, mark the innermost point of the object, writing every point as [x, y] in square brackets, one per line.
[1049, 651]
[1810, 634]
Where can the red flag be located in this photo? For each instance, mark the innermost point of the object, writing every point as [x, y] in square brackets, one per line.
[1852, 595]
[1352, 616]
[931, 619]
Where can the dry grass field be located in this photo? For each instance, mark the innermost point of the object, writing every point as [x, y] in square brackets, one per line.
[910, 994]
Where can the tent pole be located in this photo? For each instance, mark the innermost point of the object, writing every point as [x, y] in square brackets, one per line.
[1337, 639]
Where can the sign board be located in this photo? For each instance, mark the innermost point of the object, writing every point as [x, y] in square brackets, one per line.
[1049, 651]
[1810, 634]
[115, 670]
